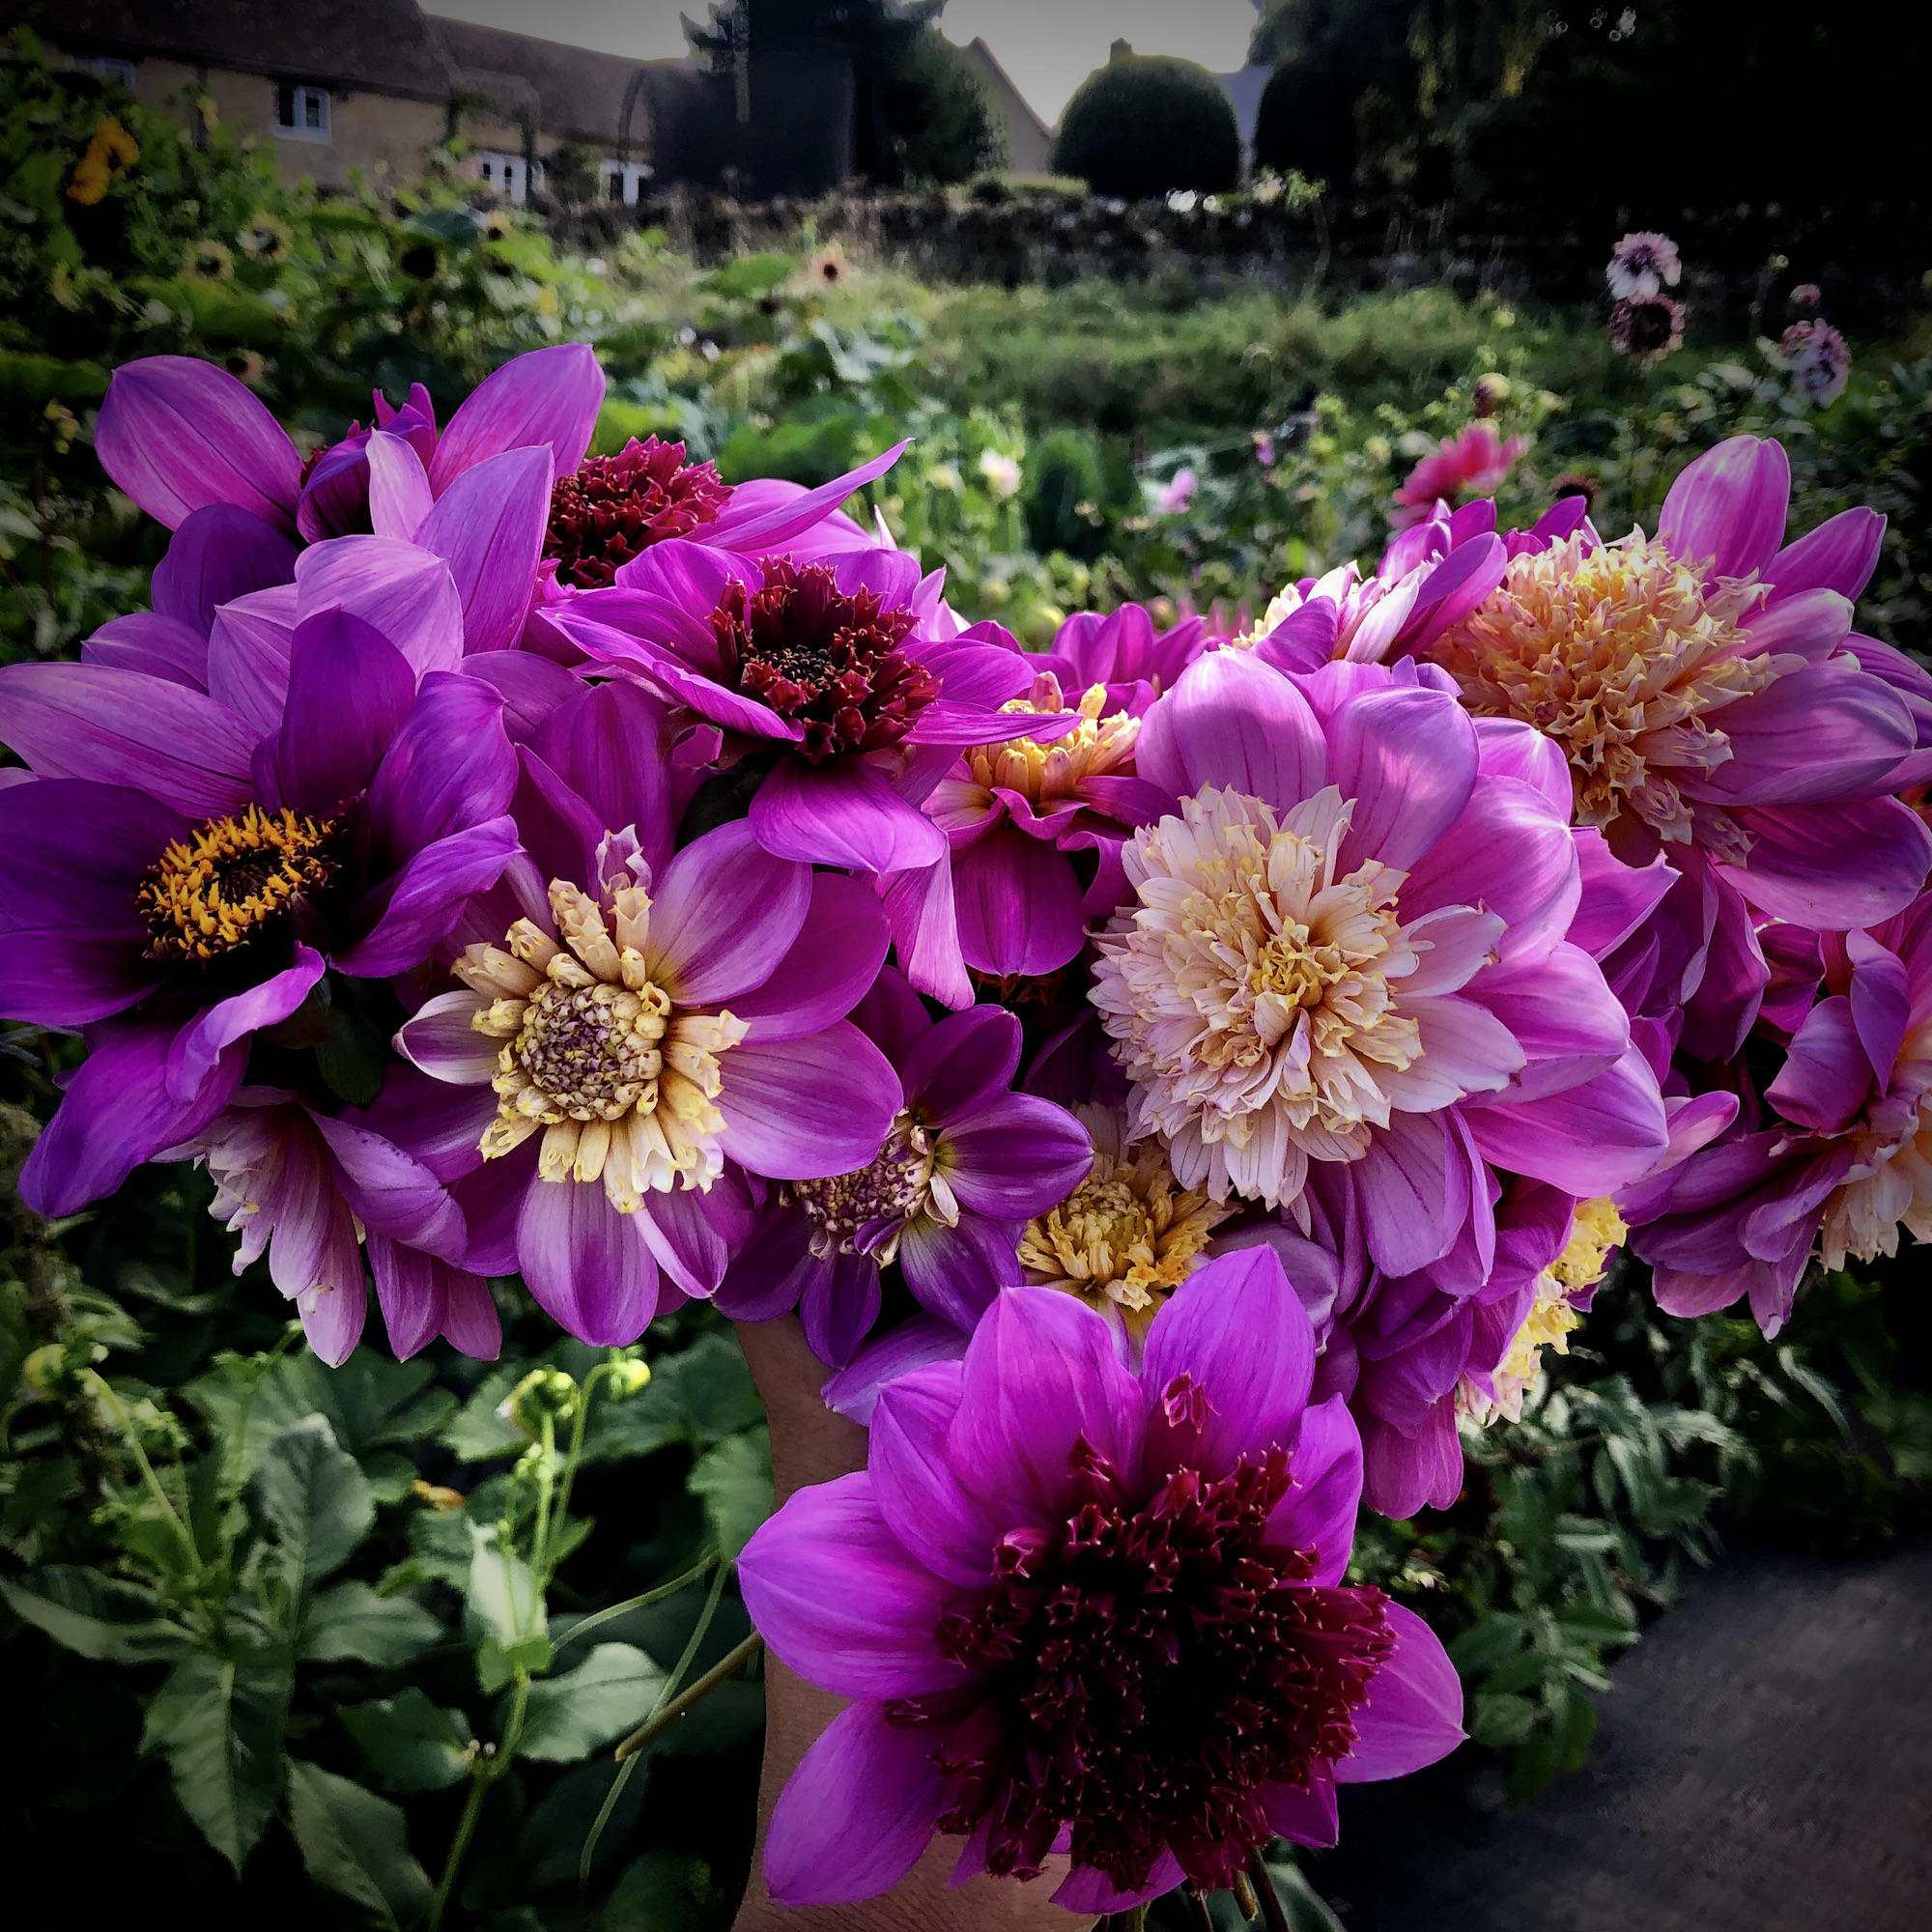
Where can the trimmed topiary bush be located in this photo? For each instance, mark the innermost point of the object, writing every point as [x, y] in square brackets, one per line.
[1148, 123]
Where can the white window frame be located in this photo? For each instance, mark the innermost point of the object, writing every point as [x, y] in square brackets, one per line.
[112, 66]
[632, 174]
[508, 175]
[301, 97]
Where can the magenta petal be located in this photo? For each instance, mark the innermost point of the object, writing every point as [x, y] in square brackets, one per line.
[1413, 1187]
[66, 979]
[1319, 1512]
[1510, 854]
[428, 899]
[912, 1485]
[688, 1245]
[959, 1272]
[1413, 1712]
[854, 1816]
[1881, 1002]
[830, 968]
[1726, 510]
[124, 728]
[1811, 624]
[471, 1324]
[608, 743]
[838, 1307]
[441, 1041]
[392, 1193]
[842, 812]
[1018, 905]
[163, 648]
[1041, 1372]
[550, 396]
[247, 656]
[919, 909]
[1017, 1158]
[487, 526]
[1828, 731]
[1826, 1076]
[1305, 1813]
[410, 1291]
[1407, 757]
[801, 1108]
[1088, 1891]
[765, 529]
[1238, 1332]
[1590, 1140]
[533, 689]
[399, 491]
[349, 693]
[218, 554]
[926, 1339]
[1616, 898]
[406, 593]
[1233, 722]
[958, 1065]
[1799, 866]
[75, 853]
[842, 1602]
[587, 1265]
[176, 434]
[1840, 554]
[201, 1048]
[448, 768]
[1509, 749]
[723, 916]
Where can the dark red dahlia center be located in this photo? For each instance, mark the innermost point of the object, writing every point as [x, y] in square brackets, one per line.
[613, 508]
[826, 660]
[1148, 1667]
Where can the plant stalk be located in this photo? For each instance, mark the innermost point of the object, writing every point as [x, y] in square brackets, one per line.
[678, 1706]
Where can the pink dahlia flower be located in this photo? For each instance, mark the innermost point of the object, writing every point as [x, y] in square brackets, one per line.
[1347, 966]
[634, 1039]
[1648, 327]
[1472, 463]
[1085, 1611]
[1712, 703]
[1843, 1162]
[1644, 263]
[1818, 359]
[966, 1164]
[187, 866]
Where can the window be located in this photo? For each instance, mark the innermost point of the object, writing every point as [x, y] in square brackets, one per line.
[623, 180]
[108, 68]
[301, 113]
[509, 175]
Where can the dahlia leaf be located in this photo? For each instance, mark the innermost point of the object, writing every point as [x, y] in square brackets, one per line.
[735, 1481]
[350, 1622]
[315, 1498]
[411, 1743]
[356, 1844]
[219, 1722]
[93, 1615]
[608, 1693]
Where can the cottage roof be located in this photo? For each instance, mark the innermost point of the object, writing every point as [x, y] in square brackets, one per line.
[578, 93]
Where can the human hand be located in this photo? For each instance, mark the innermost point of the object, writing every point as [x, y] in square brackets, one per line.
[809, 1444]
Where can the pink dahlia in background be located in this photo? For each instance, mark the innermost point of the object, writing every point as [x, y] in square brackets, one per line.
[637, 1030]
[1471, 464]
[1818, 360]
[1082, 1610]
[1346, 970]
[964, 1165]
[1647, 328]
[1712, 705]
[1844, 1159]
[1644, 263]
[1121, 651]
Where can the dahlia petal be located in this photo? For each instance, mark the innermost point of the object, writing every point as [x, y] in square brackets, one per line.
[1413, 1187]
[550, 396]
[1412, 1715]
[980, 676]
[1833, 865]
[1236, 724]
[487, 526]
[723, 916]
[349, 693]
[393, 1193]
[1509, 749]
[762, 527]
[919, 910]
[427, 900]
[248, 657]
[1824, 733]
[1307, 1814]
[1840, 555]
[605, 744]
[891, 575]
[491, 1196]
[842, 1602]
[410, 1289]
[1319, 1512]
[441, 1041]
[219, 553]
[856, 1814]
[116, 1112]
[1089, 1891]
[1811, 624]
[1017, 1158]
[1616, 898]
[314, 1257]
[1559, 1011]
[1590, 1138]
[1731, 983]
[1018, 905]
[838, 1307]
[163, 648]
[1304, 639]
[76, 852]
[67, 978]
[201, 1050]
[842, 812]
[406, 593]
[178, 434]
[533, 690]
[1407, 757]
[1881, 1002]
[798, 1109]
[1825, 1075]
[661, 668]
[919, 1498]
[471, 1324]
[957, 1272]
[123, 728]
[1240, 1332]
[449, 767]
[400, 497]
[688, 1245]
[854, 1391]
[588, 1266]
[1726, 509]
[561, 832]
[1453, 945]
[958, 1065]
[1464, 579]
[829, 967]
[1041, 1372]
[772, 1268]
[1507, 853]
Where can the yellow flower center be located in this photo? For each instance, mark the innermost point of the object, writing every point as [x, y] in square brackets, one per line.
[621, 1081]
[215, 891]
[1620, 655]
[1045, 773]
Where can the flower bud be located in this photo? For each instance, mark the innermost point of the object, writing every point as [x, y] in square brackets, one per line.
[626, 1376]
[543, 1393]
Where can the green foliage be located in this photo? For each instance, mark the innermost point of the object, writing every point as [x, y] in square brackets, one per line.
[1146, 125]
[940, 124]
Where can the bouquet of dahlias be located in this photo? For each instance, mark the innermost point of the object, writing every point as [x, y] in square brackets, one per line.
[1243, 1053]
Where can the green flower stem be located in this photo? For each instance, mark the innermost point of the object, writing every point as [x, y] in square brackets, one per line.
[704, 1686]
[125, 1423]
[597, 1618]
[483, 1773]
[540, 1564]
[575, 1453]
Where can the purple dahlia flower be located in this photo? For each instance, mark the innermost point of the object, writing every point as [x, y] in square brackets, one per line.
[628, 1047]
[1844, 1160]
[1348, 970]
[966, 1164]
[183, 874]
[311, 1190]
[819, 669]
[1082, 1611]
[1122, 651]
[1711, 701]
[1644, 263]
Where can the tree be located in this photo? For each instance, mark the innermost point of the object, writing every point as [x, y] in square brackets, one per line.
[1148, 123]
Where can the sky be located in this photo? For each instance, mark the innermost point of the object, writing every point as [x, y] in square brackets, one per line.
[1047, 46]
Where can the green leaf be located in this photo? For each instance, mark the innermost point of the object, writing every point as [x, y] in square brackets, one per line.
[219, 1721]
[750, 275]
[503, 1591]
[735, 1481]
[391, 1475]
[1483, 1646]
[1576, 1730]
[350, 1622]
[1532, 1767]
[1517, 1673]
[315, 1499]
[1501, 1722]
[666, 1890]
[476, 1432]
[356, 1844]
[413, 1745]
[93, 1615]
[608, 1693]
